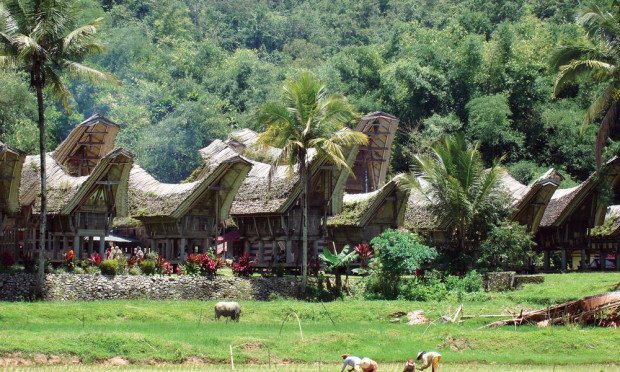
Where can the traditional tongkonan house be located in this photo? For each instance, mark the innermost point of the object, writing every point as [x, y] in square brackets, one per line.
[572, 213]
[180, 217]
[86, 189]
[367, 215]
[11, 162]
[369, 171]
[528, 204]
[268, 211]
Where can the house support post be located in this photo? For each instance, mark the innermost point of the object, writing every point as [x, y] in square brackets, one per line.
[91, 245]
[76, 246]
[101, 245]
[261, 252]
[246, 246]
[601, 259]
[289, 252]
[584, 265]
[546, 260]
[564, 259]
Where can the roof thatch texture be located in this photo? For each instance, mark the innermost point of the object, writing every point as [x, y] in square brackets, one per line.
[244, 141]
[268, 189]
[150, 198]
[418, 215]
[611, 224]
[11, 162]
[65, 192]
[565, 201]
[87, 143]
[358, 209]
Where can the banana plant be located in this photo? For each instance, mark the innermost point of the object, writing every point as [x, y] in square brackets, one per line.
[338, 263]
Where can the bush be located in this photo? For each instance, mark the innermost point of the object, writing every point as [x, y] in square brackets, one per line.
[135, 270]
[78, 270]
[243, 266]
[201, 264]
[470, 283]
[93, 270]
[508, 246]
[397, 253]
[419, 289]
[148, 266]
[109, 267]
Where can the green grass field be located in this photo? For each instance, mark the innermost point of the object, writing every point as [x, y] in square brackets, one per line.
[170, 332]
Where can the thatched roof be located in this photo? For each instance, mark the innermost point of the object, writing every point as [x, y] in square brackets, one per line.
[244, 141]
[373, 160]
[11, 162]
[418, 216]
[529, 202]
[565, 201]
[611, 225]
[223, 171]
[87, 143]
[268, 189]
[66, 192]
[359, 209]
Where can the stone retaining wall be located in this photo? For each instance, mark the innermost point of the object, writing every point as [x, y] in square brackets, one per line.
[63, 287]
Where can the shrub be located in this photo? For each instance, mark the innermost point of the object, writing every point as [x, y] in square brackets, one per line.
[420, 289]
[470, 283]
[397, 253]
[78, 270]
[201, 264]
[109, 267]
[401, 252]
[243, 266]
[509, 245]
[148, 266]
[135, 270]
[164, 267]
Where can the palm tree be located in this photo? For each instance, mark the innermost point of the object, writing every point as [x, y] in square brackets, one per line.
[596, 61]
[307, 117]
[39, 36]
[460, 192]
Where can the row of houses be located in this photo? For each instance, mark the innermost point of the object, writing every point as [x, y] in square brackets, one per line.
[236, 201]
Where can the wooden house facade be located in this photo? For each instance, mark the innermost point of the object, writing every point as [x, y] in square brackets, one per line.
[364, 216]
[178, 218]
[11, 163]
[87, 187]
[268, 211]
[572, 213]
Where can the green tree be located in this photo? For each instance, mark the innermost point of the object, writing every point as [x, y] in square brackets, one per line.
[508, 246]
[596, 62]
[308, 117]
[39, 36]
[463, 195]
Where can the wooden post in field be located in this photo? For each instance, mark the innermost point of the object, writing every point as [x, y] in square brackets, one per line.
[232, 362]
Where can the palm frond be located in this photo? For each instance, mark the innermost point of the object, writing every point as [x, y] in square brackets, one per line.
[58, 88]
[577, 68]
[8, 25]
[89, 73]
[608, 125]
[565, 54]
[80, 38]
[598, 21]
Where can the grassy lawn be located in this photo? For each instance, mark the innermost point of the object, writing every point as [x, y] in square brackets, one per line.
[175, 331]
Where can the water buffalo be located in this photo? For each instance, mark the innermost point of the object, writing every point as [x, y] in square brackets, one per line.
[231, 310]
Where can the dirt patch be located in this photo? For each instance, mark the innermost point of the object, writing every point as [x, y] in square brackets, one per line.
[15, 359]
[251, 346]
[116, 361]
[455, 344]
[417, 317]
[194, 361]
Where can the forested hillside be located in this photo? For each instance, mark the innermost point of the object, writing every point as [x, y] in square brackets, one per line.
[194, 70]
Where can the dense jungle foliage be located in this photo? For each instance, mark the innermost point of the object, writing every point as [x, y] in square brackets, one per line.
[194, 70]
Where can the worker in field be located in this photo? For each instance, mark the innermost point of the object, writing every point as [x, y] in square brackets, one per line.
[350, 363]
[429, 359]
[368, 365]
[409, 366]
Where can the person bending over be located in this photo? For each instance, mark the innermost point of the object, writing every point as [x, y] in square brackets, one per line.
[350, 363]
[429, 359]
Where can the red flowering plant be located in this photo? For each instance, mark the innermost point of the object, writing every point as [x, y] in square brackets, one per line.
[202, 264]
[209, 265]
[244, 266]
[179, 270]
[95, 259]
[192, 264]
[69, 264]
[164, 267]
[365, 253]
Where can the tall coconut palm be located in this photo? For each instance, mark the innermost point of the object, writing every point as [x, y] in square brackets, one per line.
[40, 36]
[461, 193]
[595, 61]
[307, 117]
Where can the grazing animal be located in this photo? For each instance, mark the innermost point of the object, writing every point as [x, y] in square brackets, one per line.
[231, 310]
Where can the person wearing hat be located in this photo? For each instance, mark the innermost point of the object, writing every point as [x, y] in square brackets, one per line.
[429, 359]
[350, 362]
[409, 366]
[368, 365]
